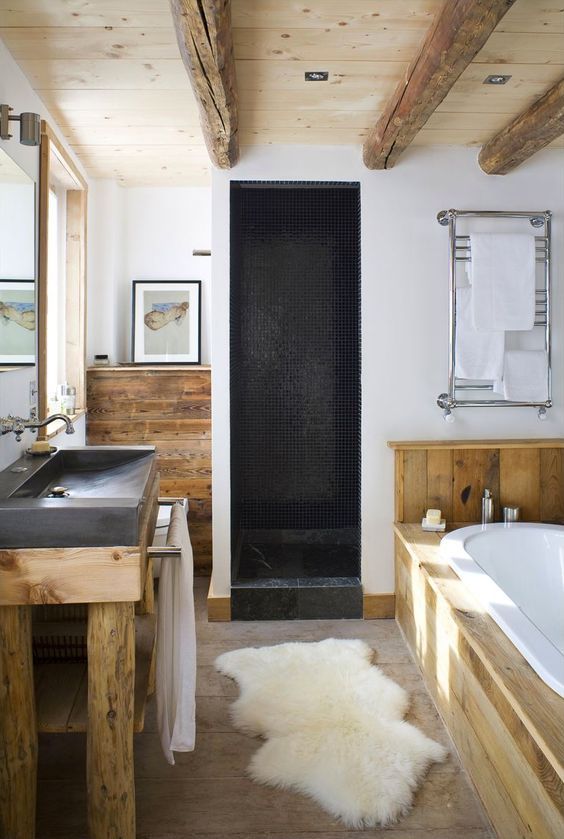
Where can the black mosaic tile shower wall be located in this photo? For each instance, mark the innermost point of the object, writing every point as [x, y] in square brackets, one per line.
[295, 382]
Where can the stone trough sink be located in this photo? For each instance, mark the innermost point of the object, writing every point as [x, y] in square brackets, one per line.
[89, 496]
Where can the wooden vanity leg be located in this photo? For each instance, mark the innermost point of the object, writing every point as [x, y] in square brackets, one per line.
[109, 761]
[18, 726]
[146, 605]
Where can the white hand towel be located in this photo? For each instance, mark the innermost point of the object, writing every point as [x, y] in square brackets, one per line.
[176, 644]
[525, 376]
[503, 281]
[479, 355]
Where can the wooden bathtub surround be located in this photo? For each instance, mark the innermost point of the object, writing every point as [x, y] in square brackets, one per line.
[110, 581]
[505, 721]
[168, 407]
[18, 730]
[452, 475]
[457, 34]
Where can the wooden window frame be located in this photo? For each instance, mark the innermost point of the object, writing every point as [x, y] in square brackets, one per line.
[76, 222]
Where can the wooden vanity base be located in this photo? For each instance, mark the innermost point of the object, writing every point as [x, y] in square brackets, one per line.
[109, 762]
[111, 581]
[18, 732]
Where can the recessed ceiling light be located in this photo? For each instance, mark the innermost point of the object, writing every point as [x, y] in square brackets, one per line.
[316, 76]
[497, 79]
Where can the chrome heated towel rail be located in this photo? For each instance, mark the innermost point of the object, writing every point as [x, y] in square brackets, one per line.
[460, 252]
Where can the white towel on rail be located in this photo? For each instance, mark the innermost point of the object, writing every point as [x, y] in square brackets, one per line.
[503, 281]
[525, 376]
[479, 355]
[176, 643]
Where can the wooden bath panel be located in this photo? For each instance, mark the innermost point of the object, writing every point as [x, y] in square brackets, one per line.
[452, 475]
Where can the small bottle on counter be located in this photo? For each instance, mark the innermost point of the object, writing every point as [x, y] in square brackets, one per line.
[66, 395]
[487, 507]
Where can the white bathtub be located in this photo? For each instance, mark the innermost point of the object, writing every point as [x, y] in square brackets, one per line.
[516, 572]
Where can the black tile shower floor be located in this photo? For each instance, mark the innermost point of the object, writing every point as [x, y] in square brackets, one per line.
[285, 574]
[264, 560]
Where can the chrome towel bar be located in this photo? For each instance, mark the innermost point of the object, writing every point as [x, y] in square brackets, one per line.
[162, 551]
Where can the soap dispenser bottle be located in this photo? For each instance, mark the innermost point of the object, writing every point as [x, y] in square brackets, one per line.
[487, 507]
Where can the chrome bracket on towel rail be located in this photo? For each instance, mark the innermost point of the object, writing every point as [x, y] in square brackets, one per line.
[161, 551]
[459, 251]
[164, 501]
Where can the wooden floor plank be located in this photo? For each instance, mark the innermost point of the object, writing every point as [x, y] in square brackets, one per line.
[56, 689]
[207, 794]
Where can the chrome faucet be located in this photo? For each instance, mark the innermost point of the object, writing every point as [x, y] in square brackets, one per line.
[18, 424]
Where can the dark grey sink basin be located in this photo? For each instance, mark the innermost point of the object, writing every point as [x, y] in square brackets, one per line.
[105, 489]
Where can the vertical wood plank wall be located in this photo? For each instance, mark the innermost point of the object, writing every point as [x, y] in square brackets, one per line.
[452, 476]
[169, 407]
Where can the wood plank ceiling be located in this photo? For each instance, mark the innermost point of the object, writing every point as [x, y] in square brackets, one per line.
[111, 74]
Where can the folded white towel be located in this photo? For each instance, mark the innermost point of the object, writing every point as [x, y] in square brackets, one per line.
[479, 355]
[525, 376]
[176, 644]
[503, 281]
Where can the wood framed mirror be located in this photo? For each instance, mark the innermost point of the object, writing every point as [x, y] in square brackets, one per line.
[63, 195]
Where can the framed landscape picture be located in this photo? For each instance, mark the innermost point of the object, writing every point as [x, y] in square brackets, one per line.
[166, 321]
[17, 322]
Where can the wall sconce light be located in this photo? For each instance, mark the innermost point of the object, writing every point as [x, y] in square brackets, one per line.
[29, 126]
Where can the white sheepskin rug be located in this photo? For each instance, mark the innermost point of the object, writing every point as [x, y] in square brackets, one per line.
[333, 725]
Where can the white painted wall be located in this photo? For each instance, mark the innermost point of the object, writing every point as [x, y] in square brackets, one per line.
[404, 313]
[143, 234]
[105, 270]
[16, 91]
[162, 228]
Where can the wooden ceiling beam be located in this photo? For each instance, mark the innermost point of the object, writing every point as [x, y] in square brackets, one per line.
[527, 134]
[458, 33]
[203, 31]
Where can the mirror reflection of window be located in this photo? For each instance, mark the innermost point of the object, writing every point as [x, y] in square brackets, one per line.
[55, 283]
[17, 222]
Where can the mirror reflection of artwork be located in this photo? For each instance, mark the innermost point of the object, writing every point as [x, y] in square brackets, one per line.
[166, 321]
[17, 322]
